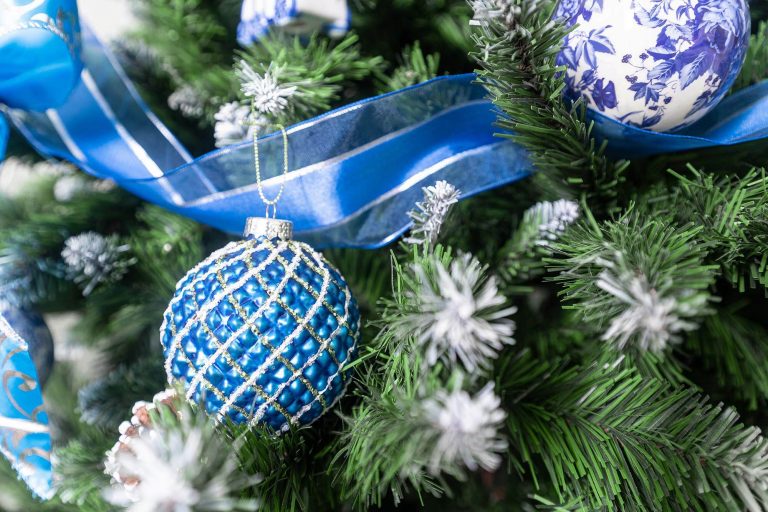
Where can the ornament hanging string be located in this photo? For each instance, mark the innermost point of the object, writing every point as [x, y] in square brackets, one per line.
[270, 203]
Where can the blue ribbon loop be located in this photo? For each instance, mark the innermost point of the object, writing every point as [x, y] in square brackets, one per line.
[40, 55]
[356, 171]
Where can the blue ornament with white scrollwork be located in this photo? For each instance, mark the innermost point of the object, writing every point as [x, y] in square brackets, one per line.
[657, 65]
[26, 358]
[293, 16]
[40, 52]
[263, 331]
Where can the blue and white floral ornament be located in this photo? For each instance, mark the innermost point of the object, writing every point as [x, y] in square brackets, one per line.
[26, 357]
[263, 331]
[293, 16]
[655, 64]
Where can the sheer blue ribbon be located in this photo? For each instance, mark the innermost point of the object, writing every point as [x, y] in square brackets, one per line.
[739, 118]
[356, 171]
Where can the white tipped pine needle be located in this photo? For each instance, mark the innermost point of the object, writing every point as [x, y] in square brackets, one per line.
[430, 214]
[468, 429]
[457, 314]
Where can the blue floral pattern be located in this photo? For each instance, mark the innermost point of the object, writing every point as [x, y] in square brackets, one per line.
[655, 64]
[257, 17]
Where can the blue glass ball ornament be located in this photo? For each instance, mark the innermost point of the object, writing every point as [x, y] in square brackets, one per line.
[263, 331]
[657, 65]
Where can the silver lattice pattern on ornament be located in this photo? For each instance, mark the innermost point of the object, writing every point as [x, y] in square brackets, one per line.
[262, 332]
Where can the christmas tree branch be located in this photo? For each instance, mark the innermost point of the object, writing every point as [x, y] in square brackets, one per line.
[733, 350]
[315, 71]
[517, 43]
[617, 441]
[202, 69]
[755, 67]
[637, 282]
[415, 67]
[733, 214]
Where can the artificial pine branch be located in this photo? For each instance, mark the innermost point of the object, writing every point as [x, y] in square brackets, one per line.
[755, 68]
[166, 246]
[732, 212]
[439, 25]
[613, 440]
[386, 445]
[733, 351]
[317, 70]
[414, 68]
[639, 282]
[80, 468]
[196, 27]
[367, 273]
[517, 43]
[35, 225]
[294, 468]
[104, 402]
[530, 245]
[445, 317]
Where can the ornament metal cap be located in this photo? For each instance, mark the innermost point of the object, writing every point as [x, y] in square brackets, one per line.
[270, 228]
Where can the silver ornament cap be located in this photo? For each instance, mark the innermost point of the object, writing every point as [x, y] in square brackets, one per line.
[269, 228]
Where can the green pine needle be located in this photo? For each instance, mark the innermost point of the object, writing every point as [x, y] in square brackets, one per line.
[516, 51]
[614, 440]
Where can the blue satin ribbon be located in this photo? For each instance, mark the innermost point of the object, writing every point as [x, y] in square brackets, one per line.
[40, 55]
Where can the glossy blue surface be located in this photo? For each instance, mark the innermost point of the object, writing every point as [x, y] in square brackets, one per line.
[293, 342]
[39, 52]
[30, 326]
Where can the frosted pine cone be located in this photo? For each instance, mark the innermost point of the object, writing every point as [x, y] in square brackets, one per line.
[139, 424]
